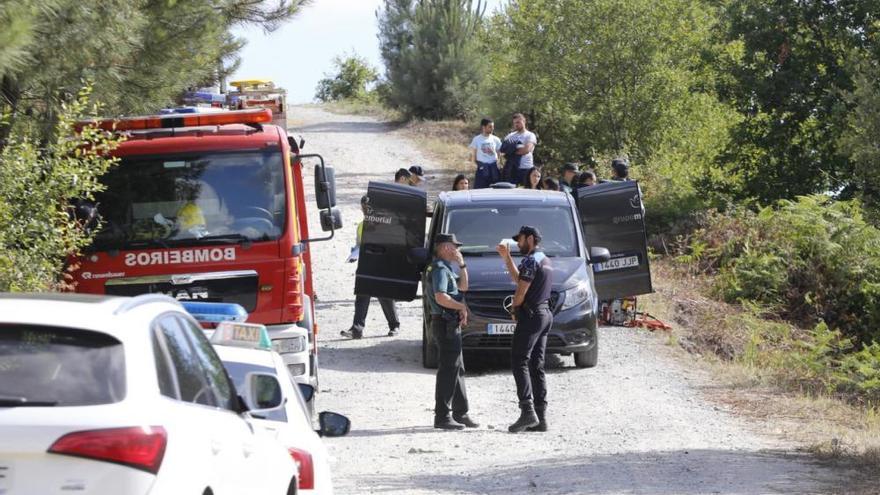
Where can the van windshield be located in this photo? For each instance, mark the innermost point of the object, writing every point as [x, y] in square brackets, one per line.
[157, 201]
[481, 229]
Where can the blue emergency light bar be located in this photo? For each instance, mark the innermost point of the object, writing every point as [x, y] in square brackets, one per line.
[168, 111]
[207, 312]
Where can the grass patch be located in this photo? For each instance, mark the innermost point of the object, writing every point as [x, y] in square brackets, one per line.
[445, 142]
[369, 108]
[753, 359]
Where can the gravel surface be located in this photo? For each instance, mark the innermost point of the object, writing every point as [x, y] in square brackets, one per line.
[637, 423]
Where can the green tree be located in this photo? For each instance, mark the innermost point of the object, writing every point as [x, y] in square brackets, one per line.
[430, 50]
[861, 138]
[139, 55]
[787, 68]
[600, 78]
[353, 75]
[37, 185]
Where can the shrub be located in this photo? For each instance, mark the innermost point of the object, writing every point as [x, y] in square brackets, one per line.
[37, 186]
[810, 260]
[353, 76]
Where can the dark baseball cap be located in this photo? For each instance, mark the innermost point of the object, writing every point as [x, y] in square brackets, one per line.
[417, 170]
[441, 238]
[620, 164]
[570, 167]
[528, 230]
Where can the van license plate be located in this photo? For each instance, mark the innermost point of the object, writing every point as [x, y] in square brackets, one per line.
[617, 264]
[501, 328]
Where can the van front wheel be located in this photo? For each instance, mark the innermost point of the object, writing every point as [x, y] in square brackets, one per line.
[587, 359]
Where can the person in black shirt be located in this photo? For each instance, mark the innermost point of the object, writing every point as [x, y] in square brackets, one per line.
[531, 311]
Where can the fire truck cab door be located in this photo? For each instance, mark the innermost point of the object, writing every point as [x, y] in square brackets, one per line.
[613, 217]
[392, 253]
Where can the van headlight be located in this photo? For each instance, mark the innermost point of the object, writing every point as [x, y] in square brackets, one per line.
[291, 345]
[575, 295]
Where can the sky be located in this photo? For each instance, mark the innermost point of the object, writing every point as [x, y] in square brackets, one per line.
[299, 54]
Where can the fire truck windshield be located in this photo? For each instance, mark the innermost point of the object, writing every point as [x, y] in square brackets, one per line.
[218, 197]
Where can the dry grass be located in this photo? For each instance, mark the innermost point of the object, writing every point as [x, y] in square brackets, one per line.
[720, 333]
[367, 108]
[445, 142]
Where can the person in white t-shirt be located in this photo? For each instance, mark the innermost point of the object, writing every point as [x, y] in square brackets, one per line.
[525, 144]
[484, 152]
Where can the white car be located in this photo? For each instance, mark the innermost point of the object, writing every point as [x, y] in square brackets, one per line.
[106, 395]
[247, 363]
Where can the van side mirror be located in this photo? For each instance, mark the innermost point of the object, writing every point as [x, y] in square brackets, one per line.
[307, 391]
[599, 255]
[262, 394]
[325, 187]
[331, 220]
[333, 424]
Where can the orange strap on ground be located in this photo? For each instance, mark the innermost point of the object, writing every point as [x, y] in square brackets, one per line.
[648, 322]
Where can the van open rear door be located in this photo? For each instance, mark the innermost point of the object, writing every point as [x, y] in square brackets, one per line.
[392, 244]
[613, 217]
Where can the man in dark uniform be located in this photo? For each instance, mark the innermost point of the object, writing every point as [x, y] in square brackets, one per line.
[448, 314]
[531, 311]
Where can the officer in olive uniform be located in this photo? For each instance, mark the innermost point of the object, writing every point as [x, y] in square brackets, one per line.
[531, 310]
[448, 314]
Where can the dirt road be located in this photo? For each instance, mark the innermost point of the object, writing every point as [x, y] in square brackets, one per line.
[637, 423]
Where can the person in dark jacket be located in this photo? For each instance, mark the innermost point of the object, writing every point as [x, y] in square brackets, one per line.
[530, 309]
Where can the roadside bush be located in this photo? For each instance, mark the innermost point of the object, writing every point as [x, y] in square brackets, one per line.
[810, 260]
[351, 80]
[37, 186]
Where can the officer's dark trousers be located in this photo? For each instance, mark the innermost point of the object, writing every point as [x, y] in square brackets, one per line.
[527, 356]
[362, 305]
[449, 392]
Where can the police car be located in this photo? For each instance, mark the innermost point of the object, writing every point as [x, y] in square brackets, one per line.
[246, 352]
[125, 395]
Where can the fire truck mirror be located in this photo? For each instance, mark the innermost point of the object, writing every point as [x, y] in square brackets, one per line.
[331, 220]
[325, 187]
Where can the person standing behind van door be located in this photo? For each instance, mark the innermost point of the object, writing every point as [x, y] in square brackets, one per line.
[484, 152]
[448, 314]
[531, 311]
[524, 142]
[362, 302]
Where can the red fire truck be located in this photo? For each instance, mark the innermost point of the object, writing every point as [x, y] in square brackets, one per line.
[212, 207]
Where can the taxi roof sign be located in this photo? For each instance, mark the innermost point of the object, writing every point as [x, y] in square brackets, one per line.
[250, 335]
[207, 312]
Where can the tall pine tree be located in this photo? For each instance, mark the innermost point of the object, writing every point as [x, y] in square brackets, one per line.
[431, 57]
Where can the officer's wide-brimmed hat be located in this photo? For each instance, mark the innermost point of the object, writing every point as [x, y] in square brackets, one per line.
[527, 230]
[441, 238]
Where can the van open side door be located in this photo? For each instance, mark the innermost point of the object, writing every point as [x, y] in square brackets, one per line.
[613, 217]
[392, 251]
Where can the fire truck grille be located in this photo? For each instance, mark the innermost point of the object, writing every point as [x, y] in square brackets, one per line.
[230, 287]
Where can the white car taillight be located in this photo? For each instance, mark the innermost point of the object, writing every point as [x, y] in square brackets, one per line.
[140, 447]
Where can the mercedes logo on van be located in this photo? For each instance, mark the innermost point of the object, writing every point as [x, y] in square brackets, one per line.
[508, 304]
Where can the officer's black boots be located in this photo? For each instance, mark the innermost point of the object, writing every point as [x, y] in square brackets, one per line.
[542, 421]
[465, 420]
[393, 331]
[447, 423]
[352, 333]
[527, 418]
